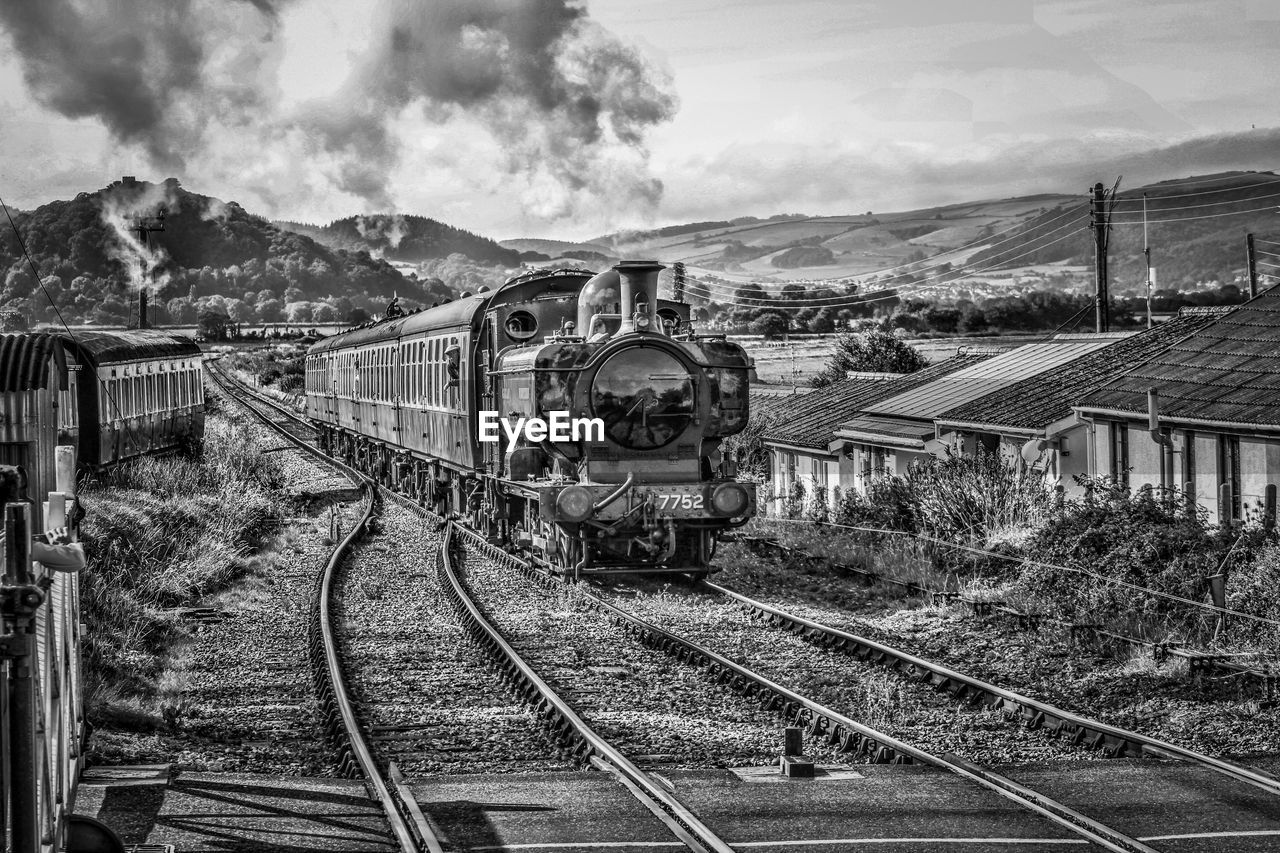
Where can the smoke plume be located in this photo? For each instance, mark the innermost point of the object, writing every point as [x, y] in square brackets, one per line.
[194, 83]
[122, 206]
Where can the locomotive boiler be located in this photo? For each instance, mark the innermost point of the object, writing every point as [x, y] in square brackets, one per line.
[643, 487]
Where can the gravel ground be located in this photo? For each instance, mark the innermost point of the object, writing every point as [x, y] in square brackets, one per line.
[1220, 716]
[242, 683]
[866, 693]
[660, 713]
[425, 691]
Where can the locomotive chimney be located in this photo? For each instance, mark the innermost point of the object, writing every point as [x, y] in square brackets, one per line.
[639, 296]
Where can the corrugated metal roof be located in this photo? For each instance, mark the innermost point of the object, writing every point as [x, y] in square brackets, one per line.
[108, 347]
[1228, 371]
[929, 401]
[1038, 401]
[24, 360]
[809, 421]
[877, 428]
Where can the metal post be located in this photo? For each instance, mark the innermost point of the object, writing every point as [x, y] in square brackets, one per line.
[1253, 265]
[1146, 253]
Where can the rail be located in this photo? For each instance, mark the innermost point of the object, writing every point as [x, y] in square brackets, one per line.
[1196, 659]
[1114, 741]
[819, 720]
[408, 826]
[565, 725]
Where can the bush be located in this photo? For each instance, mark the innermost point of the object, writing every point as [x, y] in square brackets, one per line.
[978, 499]
[161, 533]
[1138, 538]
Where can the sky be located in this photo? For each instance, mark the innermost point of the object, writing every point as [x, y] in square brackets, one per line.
[554, 118]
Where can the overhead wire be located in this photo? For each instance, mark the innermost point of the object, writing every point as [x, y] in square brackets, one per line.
[945, 277]
[950, 270]
[1154, 209]
[1222, 189]
[981, 241]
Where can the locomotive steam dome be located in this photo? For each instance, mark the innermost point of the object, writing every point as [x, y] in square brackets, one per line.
[644, 396]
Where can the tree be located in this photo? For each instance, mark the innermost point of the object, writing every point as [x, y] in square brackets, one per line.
[771, 324]
[213, 324]
[823, 322]
[357, 316]
[874, 351]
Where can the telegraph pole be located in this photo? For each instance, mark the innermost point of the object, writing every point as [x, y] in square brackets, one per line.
[678, 280]
[1098, 221]
[1253, 265]
[145, 225]
[1146, 253]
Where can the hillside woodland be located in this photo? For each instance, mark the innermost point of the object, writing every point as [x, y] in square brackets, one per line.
[209, 255]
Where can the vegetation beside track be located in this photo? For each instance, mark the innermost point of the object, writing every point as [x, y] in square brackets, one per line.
[974, 524]
[161, 534]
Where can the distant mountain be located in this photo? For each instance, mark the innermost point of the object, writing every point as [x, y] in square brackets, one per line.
[405, 238]
[200, 253]
[1196, 227]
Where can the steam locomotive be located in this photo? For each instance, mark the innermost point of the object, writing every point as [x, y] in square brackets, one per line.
[407, 400]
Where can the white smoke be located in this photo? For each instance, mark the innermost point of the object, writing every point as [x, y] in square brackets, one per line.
[565, 104]
[123, 208]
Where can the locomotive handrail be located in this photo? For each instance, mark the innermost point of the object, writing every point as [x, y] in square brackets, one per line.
[1031, 709]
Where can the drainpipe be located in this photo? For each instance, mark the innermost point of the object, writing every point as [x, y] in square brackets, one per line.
[1166, 443]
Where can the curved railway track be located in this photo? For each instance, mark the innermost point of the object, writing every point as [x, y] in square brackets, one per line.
[566, 727]
[409, 827]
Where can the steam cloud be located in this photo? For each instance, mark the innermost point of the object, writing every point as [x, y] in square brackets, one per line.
[193, 83]
[120, 205]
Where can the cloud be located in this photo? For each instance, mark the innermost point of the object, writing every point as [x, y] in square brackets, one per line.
[834, 179]
[194, 84]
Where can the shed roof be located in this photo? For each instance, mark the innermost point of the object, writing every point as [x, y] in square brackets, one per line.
[927, 402]
[1040, 400]
[810, 420]
[24, 361]
[114, 346]
[1227, 372]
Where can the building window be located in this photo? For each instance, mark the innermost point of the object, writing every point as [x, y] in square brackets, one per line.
[1229, 472]
[1120, 454]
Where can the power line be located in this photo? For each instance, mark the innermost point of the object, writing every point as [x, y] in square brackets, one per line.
[887, 281]
[837, 302]
[1154, 209]
[981, 241]
[1267, 209]
[1150, 190]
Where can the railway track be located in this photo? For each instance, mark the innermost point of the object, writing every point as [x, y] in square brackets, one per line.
[408, 825]
[1265, 674]
[818, 720]
[567, 728]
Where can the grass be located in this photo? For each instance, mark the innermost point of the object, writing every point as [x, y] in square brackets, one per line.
[163, 533]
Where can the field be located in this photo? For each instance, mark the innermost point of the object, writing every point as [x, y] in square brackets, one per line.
[796, 361]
